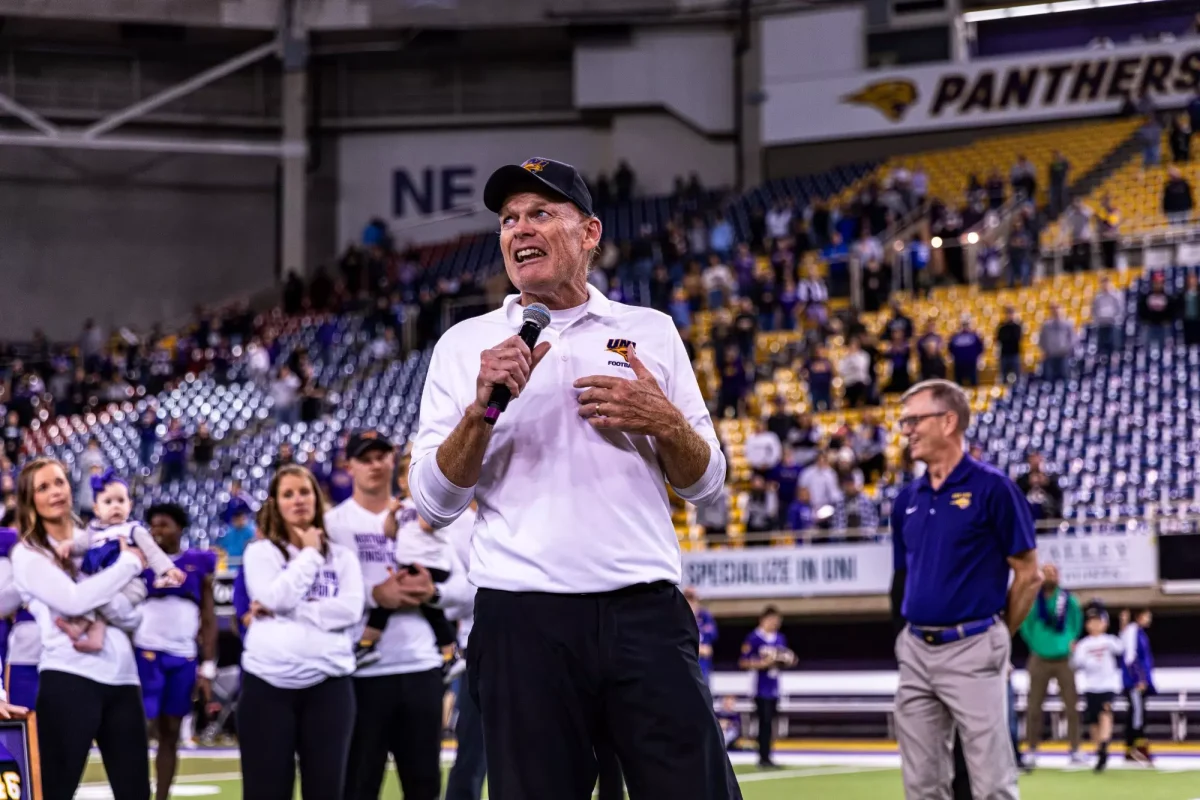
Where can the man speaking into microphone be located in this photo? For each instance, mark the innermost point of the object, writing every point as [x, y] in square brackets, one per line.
[582, 638]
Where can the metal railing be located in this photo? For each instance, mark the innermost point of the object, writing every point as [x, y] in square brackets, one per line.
[1157, 248]
[1153, 248]
[1160, 524]
[991, 230]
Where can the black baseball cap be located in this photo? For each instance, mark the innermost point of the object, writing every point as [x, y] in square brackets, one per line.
[537, 174]
[364, 441]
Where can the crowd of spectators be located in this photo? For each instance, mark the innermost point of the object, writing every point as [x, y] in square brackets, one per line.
[933, 254]
[776, 274]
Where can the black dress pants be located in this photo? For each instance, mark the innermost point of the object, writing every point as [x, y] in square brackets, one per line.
[558, 675]
[402, 715]
[278, 727]
[71, 712]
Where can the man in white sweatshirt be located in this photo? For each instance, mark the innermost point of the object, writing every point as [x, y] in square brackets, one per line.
[399, 697]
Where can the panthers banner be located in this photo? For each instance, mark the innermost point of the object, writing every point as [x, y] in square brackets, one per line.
[1003, 91]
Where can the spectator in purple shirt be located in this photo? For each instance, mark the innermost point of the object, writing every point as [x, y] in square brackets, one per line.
[789, 299]
[338, 483]
[734, 382]
[766, 652]
[785, 475]
[147, 428]
[800, 513]
[899, 354]
[965, 349]
[175, 449]
[707, 628]
[818, 373]
[743, 268]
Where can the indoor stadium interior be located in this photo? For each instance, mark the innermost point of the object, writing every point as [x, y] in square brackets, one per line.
[232, 233]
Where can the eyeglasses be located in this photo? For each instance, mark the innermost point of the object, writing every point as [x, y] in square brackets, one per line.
[910, 422]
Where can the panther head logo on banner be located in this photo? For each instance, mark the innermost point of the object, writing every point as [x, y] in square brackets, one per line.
[890, 98]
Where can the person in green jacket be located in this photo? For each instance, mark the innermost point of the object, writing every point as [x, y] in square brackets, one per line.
[1051, 630]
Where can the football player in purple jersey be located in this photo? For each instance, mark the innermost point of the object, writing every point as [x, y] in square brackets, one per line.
[179, 626]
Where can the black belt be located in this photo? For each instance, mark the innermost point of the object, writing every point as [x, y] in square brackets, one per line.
[940, 636]
[638, 588]
[624, 591]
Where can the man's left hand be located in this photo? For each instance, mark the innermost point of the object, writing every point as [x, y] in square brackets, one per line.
[629, 406]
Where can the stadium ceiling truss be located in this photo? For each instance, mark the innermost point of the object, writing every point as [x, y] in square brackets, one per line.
[47, 134]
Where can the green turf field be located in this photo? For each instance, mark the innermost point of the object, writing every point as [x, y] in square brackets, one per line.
[217, 779]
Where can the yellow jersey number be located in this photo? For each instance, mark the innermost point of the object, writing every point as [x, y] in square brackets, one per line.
[12, 784]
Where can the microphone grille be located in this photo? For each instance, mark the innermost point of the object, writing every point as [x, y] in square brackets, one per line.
[538, 314]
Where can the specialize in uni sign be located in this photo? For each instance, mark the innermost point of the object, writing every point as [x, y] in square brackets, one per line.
[775, 570]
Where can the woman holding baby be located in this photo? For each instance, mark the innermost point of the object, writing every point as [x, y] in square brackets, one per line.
[82, 695]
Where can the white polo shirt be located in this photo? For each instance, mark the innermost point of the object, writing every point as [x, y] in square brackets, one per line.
[563, 507]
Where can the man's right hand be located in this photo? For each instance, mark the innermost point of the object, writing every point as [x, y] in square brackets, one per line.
[402, 592]
[507, 364]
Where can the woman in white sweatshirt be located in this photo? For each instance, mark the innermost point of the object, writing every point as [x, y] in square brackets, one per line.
[81, 696]
[297, 699]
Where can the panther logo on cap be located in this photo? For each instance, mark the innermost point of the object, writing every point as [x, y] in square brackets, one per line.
[890, 98]
[535, 164]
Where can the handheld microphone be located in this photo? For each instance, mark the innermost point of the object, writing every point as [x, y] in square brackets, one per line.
[536, 317]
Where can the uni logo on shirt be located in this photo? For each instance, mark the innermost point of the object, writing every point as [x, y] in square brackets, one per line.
[620, 347]
[961, 499]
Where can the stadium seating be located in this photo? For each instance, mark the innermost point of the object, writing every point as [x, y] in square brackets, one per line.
[837, 184]
[838, 695]
[230, 409]
[1085, 144]
[1124, 433]
[1073, 292]
[1107, 431]
[1136, 194]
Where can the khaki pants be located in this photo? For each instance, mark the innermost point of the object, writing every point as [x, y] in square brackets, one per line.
[1041, 670]
[961, 685]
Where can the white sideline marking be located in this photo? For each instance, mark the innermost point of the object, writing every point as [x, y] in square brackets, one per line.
[214, 777]
[814, 772]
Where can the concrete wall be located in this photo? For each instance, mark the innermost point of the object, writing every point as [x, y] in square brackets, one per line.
[128, 238]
